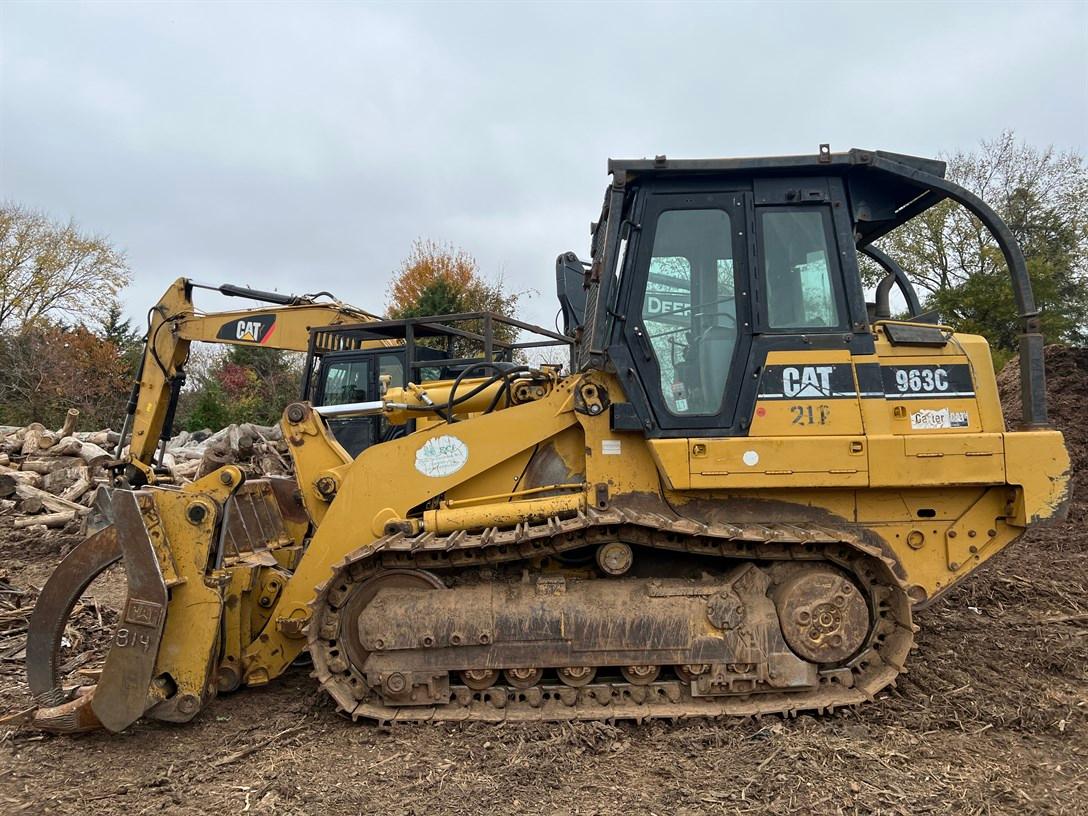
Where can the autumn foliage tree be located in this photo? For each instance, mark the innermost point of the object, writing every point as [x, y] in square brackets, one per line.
[51, 271]
[48, 369]
[55, 282]
[440, 279]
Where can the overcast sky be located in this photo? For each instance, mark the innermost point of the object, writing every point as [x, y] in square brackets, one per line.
[304, 146]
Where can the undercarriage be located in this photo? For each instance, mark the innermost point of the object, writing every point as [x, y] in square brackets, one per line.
[615, 614]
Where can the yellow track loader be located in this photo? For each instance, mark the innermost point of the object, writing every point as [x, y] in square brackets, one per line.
[731, 504]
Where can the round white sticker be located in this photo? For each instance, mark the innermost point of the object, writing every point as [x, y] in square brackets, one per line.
[750, 458]
[441, 456]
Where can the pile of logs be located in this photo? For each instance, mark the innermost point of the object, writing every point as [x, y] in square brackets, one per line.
[259, 449]
[48, 478]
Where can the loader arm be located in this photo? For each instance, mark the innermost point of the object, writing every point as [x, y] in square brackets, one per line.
[174, 324]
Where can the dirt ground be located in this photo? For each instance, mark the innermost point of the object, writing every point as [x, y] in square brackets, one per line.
[991, 718]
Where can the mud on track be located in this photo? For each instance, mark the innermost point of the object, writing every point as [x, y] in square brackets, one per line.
[992, 717]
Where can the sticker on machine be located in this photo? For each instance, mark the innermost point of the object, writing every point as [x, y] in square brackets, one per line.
[935, 419]
[441, 456]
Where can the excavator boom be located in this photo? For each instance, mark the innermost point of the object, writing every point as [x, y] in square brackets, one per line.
[174, 324]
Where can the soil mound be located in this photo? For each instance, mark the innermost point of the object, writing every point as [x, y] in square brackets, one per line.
[1067, 397]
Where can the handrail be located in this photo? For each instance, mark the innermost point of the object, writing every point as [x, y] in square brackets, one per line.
[1032, 368]
[895, 275]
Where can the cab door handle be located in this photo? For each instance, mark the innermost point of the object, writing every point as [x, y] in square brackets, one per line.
[644, 343]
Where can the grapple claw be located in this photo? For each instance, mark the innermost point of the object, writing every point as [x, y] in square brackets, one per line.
[72, 717]
[80, 567]
[122, 694]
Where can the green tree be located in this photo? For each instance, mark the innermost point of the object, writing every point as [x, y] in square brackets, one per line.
[242, 384]
[440, 279]
[204, 407]
[437, 297]
[117, 329]
[1043, 196]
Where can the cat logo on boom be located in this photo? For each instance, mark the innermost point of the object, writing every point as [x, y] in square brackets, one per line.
[250, 329]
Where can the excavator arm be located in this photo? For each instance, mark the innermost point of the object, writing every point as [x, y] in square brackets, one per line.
[174, 324]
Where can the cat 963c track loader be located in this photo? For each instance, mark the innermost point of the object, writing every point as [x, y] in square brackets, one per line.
[732, 504]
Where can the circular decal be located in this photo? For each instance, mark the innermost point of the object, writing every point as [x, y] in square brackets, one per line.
[441, 456]
[750, 458]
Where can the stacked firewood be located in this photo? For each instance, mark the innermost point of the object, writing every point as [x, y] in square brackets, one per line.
[258, 449]
[48, 478]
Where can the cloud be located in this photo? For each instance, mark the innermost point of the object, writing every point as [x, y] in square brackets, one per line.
[304, 146]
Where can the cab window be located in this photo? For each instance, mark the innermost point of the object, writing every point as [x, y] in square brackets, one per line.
[689, 310]
[797, 270]
[346, 381]
[391, 366]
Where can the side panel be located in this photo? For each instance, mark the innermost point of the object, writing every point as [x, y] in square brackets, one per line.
[829, 461]
[912, 461]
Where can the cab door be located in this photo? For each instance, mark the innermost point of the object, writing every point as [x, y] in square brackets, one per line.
[688, 308]
[347, 378]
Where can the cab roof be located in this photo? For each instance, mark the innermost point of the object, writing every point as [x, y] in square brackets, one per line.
[885, 189]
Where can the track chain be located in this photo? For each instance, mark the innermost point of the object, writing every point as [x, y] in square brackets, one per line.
[872, 670]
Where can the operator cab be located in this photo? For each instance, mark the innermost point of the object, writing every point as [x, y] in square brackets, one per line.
[706, 296]
[358, 362]
[360, 376]
[702, 268]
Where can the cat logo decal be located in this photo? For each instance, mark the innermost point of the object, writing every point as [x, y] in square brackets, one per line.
[252, 329]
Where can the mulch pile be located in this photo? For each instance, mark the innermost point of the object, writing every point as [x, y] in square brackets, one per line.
[1067, 397]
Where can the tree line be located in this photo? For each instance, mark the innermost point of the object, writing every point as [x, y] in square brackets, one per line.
[1042, 195]
[65, 343]
[64, 340]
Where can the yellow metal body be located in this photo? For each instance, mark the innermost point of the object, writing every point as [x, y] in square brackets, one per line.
[938, 502]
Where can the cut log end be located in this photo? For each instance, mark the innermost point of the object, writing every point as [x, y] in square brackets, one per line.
[31, 505]
[70, 420]
[61, 519]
